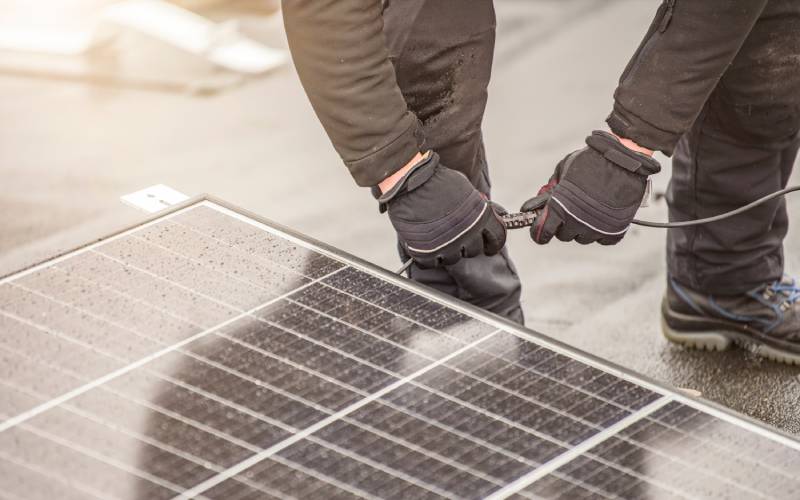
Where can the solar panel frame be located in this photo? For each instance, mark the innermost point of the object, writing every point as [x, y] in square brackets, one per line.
[668, 394]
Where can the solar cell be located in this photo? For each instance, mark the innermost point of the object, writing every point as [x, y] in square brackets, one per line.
[679, 452]
[205, 353]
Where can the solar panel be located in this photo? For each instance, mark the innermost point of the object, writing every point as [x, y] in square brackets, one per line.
[208, 353]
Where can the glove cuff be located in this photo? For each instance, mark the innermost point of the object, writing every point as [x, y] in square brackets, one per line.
[417, 175]
[612, 150]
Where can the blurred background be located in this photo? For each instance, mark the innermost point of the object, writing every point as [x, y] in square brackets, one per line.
[102, 98]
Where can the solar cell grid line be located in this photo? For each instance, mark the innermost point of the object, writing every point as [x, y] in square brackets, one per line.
[697, 461]
[202, 487]
[201, 320]
[367, 374]
[407, 307]
[250, 249]
[553, 353]
[92, 454]
[576, 451]
[544, 372]
[188, 456]
[164, 280]
[383, 354]
[581, 416]
[256, 382]
[176, 466]
[707, 449]
[430, 319]
[244, 236]
[190, 324]
[455, 463]
[641, 434]
[106, 270]
[472, 493]
[528, 382]
[176, 382]
[545, 405]
[186, 272]
[17, 340]
[325, 480]
[435, 433]
[118, 428]
[324, 382]
[495, 415]
[176, 211]
[700, 474]
[182, 328]
[583, 367]
[678, 484]
[624, 450]
[40, 480]
[370, 319]
[135, 347]
[253, 448]
[763, 459]
[758, 429]
[232, 405]
[258, 292]
[364, 393]
[390, 474]
[251, 274]
[8, 423]
[377, 337]
[773, 436]
[398, 301]
[428, 430]
[377, 367]
[610, 475]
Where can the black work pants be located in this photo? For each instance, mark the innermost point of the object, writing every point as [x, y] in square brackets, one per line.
[742, 147]
[442, 53]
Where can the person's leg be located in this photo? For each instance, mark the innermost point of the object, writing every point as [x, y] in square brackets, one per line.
[742, 147]
[442, 51]
[726, 281]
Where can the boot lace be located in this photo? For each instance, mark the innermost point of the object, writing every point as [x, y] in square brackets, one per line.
[788, 288]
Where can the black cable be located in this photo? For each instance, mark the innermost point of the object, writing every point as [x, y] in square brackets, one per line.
[726, 215]
[526, 219]
[405, 267]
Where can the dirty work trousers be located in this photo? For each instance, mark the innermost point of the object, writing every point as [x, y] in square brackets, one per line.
[442, 53]
[742, 147]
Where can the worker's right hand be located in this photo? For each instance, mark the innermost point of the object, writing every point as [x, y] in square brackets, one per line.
[594, 193]
[440, 217]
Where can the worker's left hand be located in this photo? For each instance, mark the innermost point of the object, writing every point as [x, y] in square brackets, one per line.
[440, 217]
[594, 193]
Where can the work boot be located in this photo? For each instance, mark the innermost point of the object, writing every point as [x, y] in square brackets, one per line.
[765, 319]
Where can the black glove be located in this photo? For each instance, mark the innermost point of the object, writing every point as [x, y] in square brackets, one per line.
[594, 193]
[440, 217]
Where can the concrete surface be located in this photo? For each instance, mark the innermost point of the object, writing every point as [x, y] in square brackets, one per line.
[69, 150]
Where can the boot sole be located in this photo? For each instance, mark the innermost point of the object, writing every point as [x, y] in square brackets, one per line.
[721, 339]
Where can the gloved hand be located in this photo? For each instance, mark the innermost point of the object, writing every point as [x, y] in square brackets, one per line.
[594, 193]
[440, 217]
